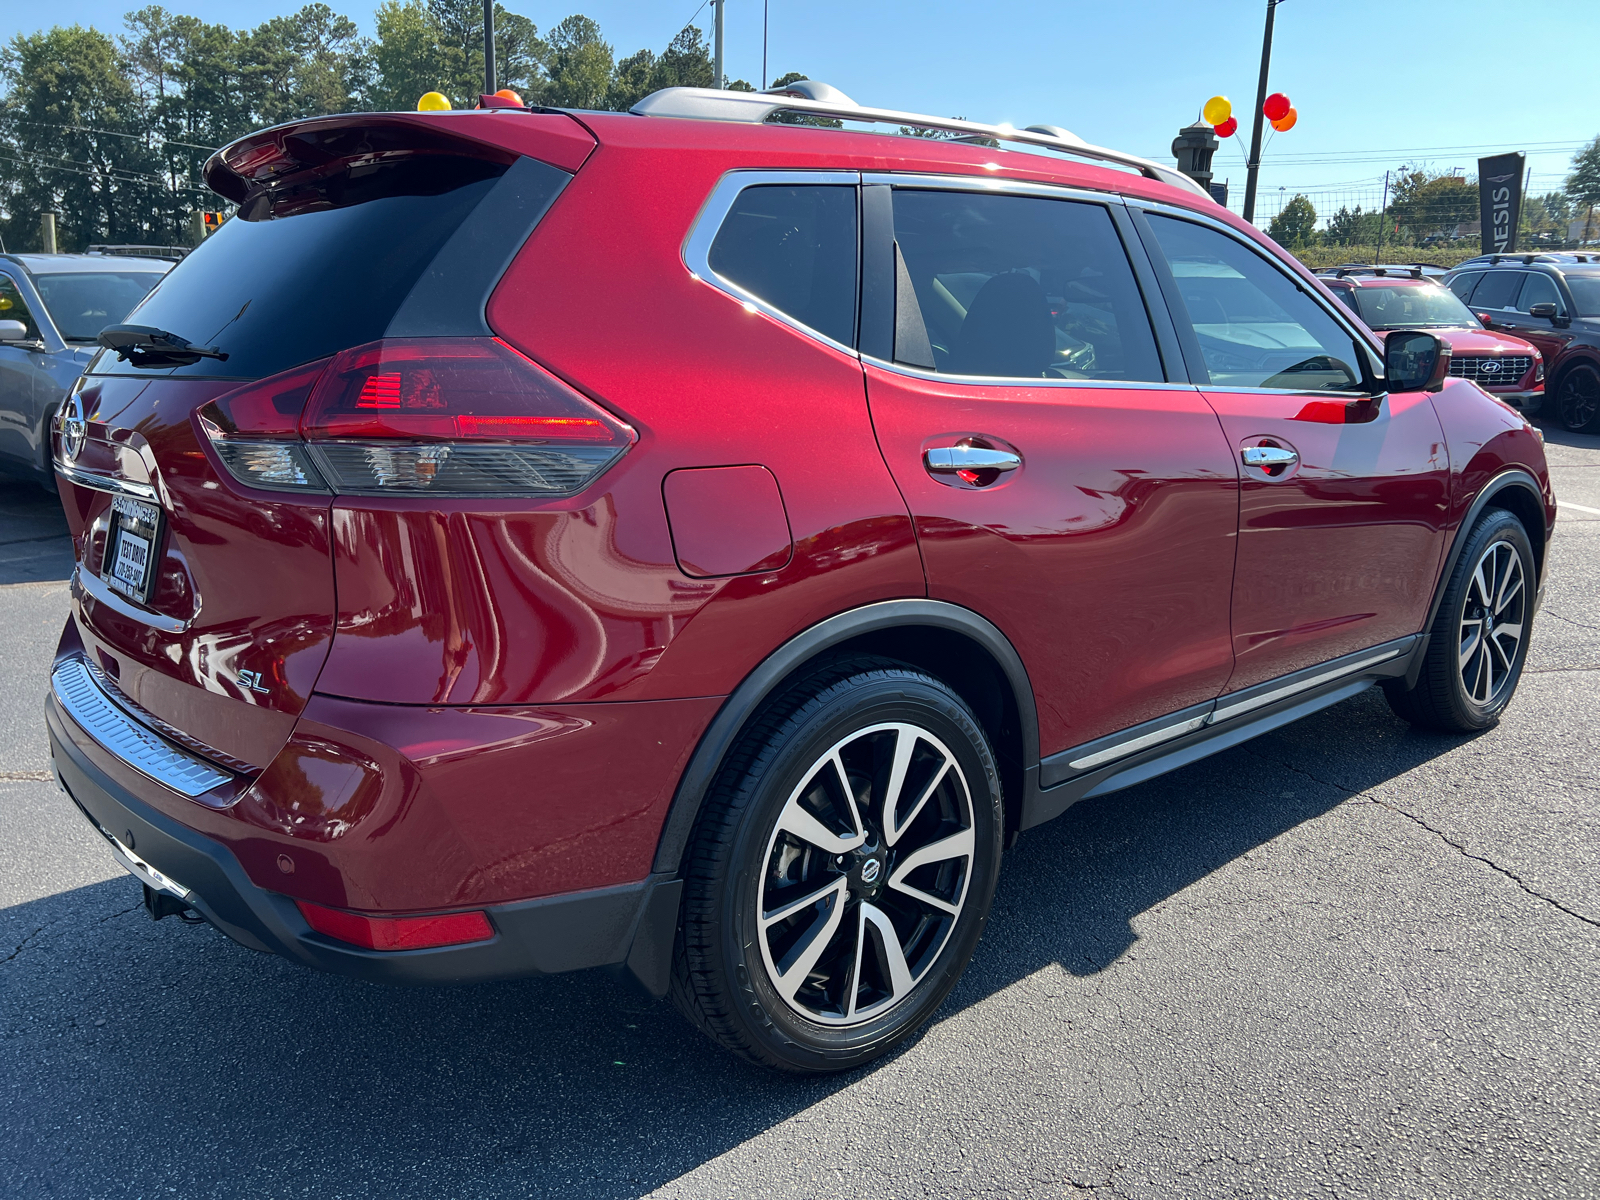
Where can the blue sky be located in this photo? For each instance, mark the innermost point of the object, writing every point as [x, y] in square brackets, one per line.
[1376, 82]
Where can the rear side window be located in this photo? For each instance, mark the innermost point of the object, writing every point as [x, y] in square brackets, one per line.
[795, 248]
[279, 290]
[1498, 289]
[1540, 289]
[1462, 285]
[1255, 325]
[1019, 287]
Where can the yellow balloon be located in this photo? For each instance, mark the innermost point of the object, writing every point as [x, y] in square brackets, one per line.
[433, 102]
[1217, 110]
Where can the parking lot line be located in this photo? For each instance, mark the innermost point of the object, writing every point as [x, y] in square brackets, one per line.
[1577, 507]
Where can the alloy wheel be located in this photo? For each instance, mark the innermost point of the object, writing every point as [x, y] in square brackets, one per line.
[1579, 400]
[865, 874]
[1492, 623]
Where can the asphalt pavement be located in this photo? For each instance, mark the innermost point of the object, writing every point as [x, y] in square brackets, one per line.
[1348, 959]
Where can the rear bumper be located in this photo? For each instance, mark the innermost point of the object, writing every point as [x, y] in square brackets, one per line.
[630, 924]
[1519, 399]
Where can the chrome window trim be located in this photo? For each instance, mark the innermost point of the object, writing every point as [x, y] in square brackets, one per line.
[1361, 336]
[141, 748]
[106, 483]
[929, 182]
[1016, 381]
[86, 583]
[707, 224]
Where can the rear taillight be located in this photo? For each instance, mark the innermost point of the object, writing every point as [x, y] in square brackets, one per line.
[441, 416]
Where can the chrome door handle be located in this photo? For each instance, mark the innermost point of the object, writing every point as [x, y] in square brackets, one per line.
[1267, 457]
[946, 460]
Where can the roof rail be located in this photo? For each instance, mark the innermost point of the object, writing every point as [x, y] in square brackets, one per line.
[819, 99]
[170, 253]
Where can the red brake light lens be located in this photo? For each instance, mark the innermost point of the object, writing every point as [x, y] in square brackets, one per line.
[397, 933]
[446, 416]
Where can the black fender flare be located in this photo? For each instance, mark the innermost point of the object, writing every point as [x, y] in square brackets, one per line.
[1511, 477]
[744, 701]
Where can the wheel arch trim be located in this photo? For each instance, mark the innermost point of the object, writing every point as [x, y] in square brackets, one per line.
[745, 700]
[1512, 477]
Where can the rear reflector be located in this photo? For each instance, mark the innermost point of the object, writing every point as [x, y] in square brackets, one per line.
[397, 933]
[444, 416]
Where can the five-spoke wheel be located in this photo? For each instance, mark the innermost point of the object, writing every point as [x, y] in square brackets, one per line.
[1578, 398]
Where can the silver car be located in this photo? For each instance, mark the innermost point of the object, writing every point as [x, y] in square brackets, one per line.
[52, 307]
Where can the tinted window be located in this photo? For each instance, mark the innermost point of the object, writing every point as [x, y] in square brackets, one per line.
[1256, 327]
[275, 292]
[82, 305]
[1585, 291]
[1462, 285]
[1020, 286]
[12, 308]
[1497, 290]
[795, 248]
[1540, 289]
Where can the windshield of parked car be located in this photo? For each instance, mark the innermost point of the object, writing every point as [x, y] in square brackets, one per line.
[1420, 306]
[1585, 294]
[83, 304]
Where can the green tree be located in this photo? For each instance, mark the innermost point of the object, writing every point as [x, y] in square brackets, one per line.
[1426, 202]
[313, 62]
[580, 65]
[1583, 185]
[789, 118]
[1545, 219]
[437, 46]
[1296, 225]
[1352, 227]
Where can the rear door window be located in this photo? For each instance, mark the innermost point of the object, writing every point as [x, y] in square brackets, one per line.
[1256, 327]
[794, 247]
[1498, 290]
[1022, 287]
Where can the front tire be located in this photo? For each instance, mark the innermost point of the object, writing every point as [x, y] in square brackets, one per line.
[1479, 640]
[841, 872]
[1578, 400]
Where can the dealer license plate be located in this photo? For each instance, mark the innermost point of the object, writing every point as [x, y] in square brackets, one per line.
[131, 545]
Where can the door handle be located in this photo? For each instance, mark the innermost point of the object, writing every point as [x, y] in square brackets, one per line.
[947, 460]
[1268, 457]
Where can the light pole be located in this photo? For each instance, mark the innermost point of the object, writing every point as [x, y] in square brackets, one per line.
[1254, 164]
[718, 79]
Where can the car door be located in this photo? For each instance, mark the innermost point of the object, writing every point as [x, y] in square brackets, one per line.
[19, 367]
[1344, 491]
[1551, 337]
[1060, 484]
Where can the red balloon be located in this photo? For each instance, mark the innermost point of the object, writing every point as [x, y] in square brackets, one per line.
[1228, 128]
[1276, 107]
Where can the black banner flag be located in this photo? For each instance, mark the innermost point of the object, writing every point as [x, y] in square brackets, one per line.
[1500, 201]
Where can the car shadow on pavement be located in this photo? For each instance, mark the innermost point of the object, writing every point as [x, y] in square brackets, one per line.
[569, 1085]
[34, 544]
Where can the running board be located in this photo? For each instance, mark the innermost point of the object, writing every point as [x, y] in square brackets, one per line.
[1142, 752]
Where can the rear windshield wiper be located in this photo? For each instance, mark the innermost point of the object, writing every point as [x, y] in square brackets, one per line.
[147, 346]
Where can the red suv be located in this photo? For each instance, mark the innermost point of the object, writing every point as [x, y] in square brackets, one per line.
[1388, 298]
[525, 540]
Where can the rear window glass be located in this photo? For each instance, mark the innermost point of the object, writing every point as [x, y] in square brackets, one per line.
[83, 304]
[795, 248]
[277, 292]
[1585, 294]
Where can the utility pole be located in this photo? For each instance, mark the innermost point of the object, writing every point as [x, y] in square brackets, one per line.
[1254, 165]
[1383, 210]
[489, 88]
[718, 79]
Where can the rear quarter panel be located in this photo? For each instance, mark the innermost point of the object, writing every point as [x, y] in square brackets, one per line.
[1485, 437]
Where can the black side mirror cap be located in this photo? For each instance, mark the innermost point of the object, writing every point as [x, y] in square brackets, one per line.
[1547, 310]
[1414, 361]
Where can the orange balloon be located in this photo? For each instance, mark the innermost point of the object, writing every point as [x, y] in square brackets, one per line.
[1286, 122]
[508, 94]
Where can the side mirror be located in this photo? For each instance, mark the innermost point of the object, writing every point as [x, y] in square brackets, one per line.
[1485, 320]
[1415, 362]
[1548, 310]
[13, 331]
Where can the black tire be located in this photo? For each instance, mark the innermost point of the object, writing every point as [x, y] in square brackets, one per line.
[1468, 677]
[728, 966]
[1577, 404]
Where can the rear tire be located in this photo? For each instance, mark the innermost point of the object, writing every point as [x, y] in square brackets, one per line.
[822, 923]
[1577, 404]
[1479, 641]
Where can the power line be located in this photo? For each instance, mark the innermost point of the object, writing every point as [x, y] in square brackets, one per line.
[112, 133]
